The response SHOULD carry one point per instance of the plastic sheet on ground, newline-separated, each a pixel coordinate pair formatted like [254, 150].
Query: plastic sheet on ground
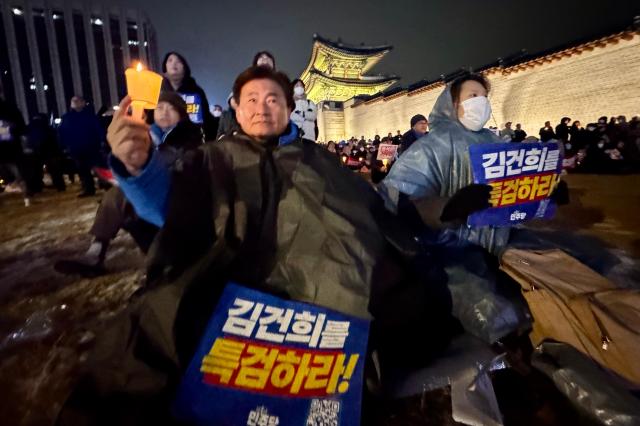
[473, 400]
[465, 367]
[595, 393]
[483, 311]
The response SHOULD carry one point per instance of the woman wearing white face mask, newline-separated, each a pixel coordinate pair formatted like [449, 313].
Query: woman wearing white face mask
[433, 177]
[304, 116]
[435, 174]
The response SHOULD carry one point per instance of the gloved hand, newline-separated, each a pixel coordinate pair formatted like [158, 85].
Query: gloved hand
[560, 194]
[467, 200]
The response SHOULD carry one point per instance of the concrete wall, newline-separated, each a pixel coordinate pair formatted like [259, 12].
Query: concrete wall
[603, 79]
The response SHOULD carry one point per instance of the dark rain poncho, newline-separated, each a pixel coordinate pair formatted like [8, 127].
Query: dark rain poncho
[288, 220]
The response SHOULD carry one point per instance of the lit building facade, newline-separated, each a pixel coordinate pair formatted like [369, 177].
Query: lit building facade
[51, 50]
[338, 71]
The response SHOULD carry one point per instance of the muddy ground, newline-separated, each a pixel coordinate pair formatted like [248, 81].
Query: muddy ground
[46, 318]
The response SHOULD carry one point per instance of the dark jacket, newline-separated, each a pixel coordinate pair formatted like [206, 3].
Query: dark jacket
[228, 124]
[562, 132]
[286, 219]
[12, 128]
[546, 134]
[519, 135]
[408, 139]
[184, 136]
[82, 135]
[187, 87]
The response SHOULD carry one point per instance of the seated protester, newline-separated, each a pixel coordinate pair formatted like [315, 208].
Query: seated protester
[171, 133]
[546, 133]
[419, 126]
[305, 113]
[177, 78]
[434, 178]
[268, 210]
[519, 135]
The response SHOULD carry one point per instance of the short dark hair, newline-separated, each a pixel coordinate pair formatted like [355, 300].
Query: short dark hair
[297, 80]
[266, 53]
[255, 73]
[457, 85]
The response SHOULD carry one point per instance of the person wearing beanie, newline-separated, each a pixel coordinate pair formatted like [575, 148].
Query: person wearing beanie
[177, 78]
[419, 126]
[172, 133]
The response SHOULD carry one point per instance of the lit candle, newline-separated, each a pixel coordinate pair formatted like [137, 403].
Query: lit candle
[144, 89]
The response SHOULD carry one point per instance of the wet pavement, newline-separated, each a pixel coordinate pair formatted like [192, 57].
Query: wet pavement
[46, 318]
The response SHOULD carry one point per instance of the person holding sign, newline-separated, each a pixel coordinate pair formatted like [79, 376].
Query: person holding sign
[269, 210]
[177, 74]
[436, 172]
[434, 179]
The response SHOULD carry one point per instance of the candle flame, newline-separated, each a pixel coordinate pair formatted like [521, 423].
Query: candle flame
[139, 67]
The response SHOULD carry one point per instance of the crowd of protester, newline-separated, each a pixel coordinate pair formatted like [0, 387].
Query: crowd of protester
[610, 145]
[247, 195]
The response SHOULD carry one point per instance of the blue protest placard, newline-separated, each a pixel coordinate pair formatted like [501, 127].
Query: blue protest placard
[264, 360]
[194, 107]
[523, 177]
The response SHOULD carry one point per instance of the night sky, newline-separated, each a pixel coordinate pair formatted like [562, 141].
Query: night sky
[430, 38]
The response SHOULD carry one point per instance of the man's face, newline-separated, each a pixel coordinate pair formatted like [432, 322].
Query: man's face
[165, 115]
[508, 125]
[175, 67]
[262, 109]
[77, 104]
[421, 126]
[518, 127]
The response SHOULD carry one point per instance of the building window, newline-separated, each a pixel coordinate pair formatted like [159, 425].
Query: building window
[28, 79]
[83, 57]
[118, 57]
[98, 39]
[47, 84]
[63, 54]
[133, 42]
[5, 68]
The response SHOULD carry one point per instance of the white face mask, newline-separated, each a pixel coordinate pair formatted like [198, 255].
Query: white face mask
[476, 113]
[298, 90]
[217, 113]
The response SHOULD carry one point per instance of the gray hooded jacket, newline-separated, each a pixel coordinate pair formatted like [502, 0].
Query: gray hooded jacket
[436, 166]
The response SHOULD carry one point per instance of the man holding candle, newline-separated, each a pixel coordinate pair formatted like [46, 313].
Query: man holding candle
[269, 210]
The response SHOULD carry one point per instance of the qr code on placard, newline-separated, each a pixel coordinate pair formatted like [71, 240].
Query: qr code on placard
[323, 413]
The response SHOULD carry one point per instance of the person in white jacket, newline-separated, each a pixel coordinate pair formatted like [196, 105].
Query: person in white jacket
[305, 114]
